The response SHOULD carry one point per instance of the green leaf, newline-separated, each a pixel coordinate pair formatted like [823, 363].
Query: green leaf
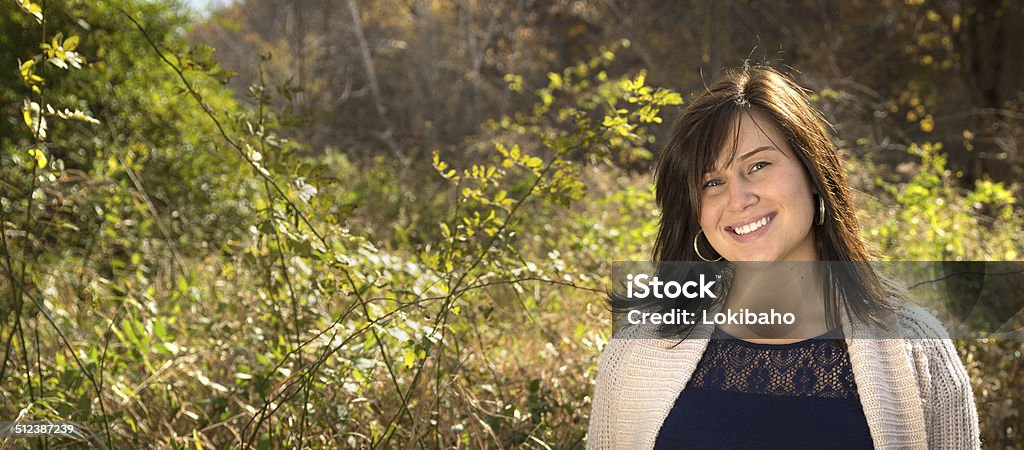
[84, 404]
[346, 209]
[159, 330]
[224, 76]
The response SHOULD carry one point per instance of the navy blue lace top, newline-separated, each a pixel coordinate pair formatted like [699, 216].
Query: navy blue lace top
[746, 395]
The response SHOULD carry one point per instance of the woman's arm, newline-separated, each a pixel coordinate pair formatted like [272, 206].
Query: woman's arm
[602, 413]
[951, 417]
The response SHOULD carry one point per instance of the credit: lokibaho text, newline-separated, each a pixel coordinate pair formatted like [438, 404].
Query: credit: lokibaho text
[742, 316]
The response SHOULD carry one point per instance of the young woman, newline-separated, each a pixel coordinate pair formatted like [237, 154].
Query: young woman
[750, 176]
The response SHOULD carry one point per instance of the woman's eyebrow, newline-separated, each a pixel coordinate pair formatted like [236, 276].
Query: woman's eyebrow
[745, 156]
[756, 151]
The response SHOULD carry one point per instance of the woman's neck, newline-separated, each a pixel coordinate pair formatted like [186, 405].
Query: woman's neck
[790, 287]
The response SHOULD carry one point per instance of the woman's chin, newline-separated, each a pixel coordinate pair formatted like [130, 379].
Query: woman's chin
[754, 257]
[754, 265]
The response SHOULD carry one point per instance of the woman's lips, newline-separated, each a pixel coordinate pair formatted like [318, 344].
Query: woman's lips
[753, 234]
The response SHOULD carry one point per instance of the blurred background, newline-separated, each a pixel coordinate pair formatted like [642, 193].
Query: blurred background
[411, 76]
[377, 224]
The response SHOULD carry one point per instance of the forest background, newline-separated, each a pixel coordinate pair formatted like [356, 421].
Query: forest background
[342, 223]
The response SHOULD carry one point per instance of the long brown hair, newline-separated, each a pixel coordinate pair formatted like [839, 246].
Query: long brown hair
[697, 139]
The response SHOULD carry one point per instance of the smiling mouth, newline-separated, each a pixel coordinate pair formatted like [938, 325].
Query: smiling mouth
[752, 226]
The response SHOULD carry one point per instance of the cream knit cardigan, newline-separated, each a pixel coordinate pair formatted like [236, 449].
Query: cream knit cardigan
[915, 392]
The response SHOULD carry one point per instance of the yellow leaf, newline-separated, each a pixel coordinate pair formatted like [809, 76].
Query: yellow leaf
[26, 68]
[927, 124]
[556, 81]
[39, 156]
[32, 9]
[409, 357]
[70, 43]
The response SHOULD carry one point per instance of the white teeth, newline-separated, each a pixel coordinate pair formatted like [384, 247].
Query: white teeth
[750, 227]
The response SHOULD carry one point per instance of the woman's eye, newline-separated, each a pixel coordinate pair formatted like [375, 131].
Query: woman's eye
[712, 183]
[758, 166]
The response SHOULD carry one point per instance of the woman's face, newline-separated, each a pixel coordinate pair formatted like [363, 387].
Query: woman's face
[757, 204]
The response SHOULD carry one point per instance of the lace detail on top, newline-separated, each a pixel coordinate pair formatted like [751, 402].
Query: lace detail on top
[818, 367]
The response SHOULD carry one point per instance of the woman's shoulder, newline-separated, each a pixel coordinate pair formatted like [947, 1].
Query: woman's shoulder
[926, 339]
[929, 350]
[935, 361]
[917, 323]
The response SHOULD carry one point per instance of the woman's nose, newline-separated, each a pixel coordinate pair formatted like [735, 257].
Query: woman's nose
[741, 194]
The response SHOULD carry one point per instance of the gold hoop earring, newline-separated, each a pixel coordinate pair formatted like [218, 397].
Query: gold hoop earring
[821, 211]
[697, 249]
